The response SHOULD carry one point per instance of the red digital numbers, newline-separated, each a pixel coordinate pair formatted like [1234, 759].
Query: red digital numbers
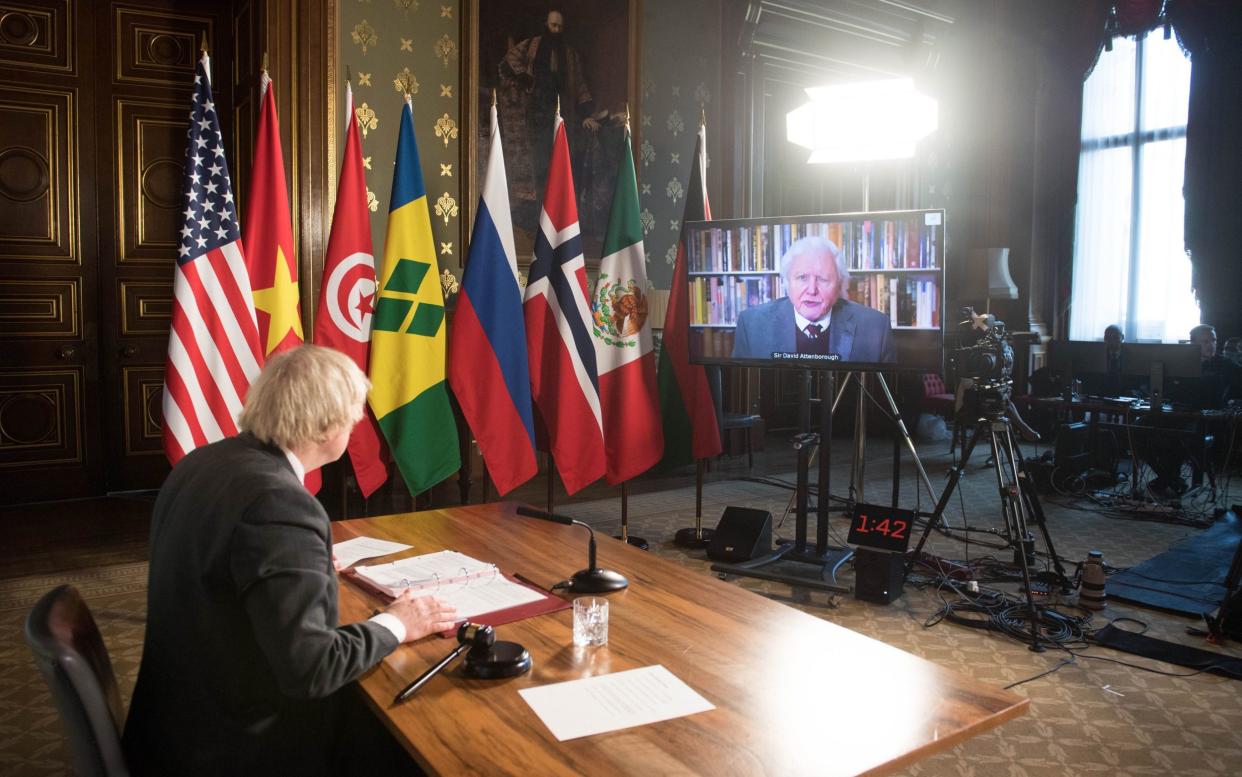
[889, 527]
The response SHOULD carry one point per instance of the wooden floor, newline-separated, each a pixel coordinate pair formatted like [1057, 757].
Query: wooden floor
[64, 536]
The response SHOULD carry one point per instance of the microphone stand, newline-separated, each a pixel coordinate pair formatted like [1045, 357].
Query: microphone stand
[591, 580]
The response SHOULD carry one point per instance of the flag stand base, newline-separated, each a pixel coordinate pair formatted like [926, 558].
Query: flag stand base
[637, 542]
[691, 537]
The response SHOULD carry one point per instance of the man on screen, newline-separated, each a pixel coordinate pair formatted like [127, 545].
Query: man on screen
[815, 318]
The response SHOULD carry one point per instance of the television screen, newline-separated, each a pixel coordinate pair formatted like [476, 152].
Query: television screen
[844, 292]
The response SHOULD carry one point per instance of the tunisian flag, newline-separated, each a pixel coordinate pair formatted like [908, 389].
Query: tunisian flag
[347, 299]
[633, 438]
[563, 378]
[690, 427]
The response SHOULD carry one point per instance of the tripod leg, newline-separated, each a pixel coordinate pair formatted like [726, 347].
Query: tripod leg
[1027, 489]
[1015, 519]
[937, 515]
[905, 435]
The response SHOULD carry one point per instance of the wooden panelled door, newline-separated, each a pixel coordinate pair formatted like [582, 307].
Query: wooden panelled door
[93, 103]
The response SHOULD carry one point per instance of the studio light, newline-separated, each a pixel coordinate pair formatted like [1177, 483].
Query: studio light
[855, 122]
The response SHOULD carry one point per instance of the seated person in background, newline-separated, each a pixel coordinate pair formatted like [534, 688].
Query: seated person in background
[1218, 372]
[815, 317]
[1108, 383]
[245, 667]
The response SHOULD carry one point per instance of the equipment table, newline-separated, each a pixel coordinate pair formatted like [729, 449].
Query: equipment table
[794, 694]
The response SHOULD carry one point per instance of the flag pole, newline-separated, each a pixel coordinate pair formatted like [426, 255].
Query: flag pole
[551, 476]
[697, 536]
[625, 535]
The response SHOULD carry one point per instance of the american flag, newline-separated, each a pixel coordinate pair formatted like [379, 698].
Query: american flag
[213, 346]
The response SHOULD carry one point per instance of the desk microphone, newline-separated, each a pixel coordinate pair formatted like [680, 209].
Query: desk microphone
[591, 580]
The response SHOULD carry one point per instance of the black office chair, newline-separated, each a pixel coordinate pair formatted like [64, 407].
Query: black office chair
[72, 657]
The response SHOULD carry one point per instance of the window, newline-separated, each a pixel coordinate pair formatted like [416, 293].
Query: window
[1130, 263]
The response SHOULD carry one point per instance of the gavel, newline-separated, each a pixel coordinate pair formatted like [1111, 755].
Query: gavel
[470, 636]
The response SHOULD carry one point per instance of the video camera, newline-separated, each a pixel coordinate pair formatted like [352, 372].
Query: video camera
[987, 362]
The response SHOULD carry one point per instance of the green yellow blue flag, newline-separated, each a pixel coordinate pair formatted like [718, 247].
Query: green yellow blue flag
[408, 393]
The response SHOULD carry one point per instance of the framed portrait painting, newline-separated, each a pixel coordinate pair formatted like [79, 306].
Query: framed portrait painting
[534, 55]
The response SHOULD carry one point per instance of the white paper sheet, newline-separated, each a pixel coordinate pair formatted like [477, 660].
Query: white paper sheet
[595, 705]
[352, 551]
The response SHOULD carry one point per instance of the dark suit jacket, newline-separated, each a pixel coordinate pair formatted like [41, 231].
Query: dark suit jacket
[242, 653]
[856, 333]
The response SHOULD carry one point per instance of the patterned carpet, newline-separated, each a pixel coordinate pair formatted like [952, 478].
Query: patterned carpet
[1091, 717]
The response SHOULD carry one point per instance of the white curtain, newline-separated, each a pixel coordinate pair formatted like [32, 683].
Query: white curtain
[1144, 288]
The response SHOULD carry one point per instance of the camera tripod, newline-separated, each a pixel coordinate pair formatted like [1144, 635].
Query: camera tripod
[1018, 501]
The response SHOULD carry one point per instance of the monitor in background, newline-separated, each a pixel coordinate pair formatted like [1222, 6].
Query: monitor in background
[1079, 360]
[1163, 364]
[841, 291]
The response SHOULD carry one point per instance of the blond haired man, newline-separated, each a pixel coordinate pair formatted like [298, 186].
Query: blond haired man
[244, 663]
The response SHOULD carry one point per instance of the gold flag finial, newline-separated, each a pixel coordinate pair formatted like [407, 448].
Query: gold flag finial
[702, 116]
[348, 77]
[493, 98]
[627, 115]
[203, 48]
[265, 61]
[558, 106]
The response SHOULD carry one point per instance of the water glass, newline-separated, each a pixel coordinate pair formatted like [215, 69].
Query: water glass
[590, 621]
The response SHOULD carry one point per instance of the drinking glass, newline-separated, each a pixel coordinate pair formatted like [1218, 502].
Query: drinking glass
[590, 621]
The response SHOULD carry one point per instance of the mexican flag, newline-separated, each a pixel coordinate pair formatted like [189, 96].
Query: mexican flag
[633, 438]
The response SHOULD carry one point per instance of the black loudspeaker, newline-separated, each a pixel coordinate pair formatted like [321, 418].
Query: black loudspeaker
[878, 577]
[742, 534]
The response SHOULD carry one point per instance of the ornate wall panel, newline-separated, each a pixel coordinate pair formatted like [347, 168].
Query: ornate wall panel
[38, 176]
[144, 388]
[146, 308]
[43, 307]
[150, 175]
[40, 420]
[37, 35]
[155, 48]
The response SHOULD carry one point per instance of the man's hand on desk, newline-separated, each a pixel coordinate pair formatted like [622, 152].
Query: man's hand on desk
[422, 615]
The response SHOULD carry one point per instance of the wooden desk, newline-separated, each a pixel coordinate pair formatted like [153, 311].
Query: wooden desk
[794, 694]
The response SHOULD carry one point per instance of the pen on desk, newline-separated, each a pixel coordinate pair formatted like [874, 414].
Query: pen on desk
[419, 681]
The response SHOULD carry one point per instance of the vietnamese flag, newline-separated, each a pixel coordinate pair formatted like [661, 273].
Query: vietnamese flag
[272, 263]
[271, 259]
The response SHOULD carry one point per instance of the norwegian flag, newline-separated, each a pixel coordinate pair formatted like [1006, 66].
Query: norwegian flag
[213, 346]
[559, 343]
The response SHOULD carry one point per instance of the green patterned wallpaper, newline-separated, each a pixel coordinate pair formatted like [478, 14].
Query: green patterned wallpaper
[416, 42]
[681, 78]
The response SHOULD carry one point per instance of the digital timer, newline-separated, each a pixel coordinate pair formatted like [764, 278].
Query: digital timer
[881, 528]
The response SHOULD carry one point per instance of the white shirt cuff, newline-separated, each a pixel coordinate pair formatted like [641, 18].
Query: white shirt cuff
[392, 623]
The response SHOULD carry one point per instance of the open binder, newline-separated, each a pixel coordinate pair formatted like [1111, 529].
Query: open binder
[479, 590]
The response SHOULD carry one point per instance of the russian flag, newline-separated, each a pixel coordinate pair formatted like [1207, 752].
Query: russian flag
[487, 367]
[559, 342]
